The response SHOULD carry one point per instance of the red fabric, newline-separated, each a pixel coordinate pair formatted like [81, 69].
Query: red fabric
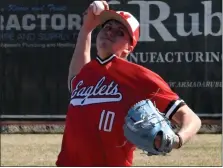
[86, 142]
[156, 89]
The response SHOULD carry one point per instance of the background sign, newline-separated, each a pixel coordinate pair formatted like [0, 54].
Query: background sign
[180, 40]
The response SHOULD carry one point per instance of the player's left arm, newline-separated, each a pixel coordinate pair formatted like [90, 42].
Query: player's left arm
[174, 108]
[188, 121]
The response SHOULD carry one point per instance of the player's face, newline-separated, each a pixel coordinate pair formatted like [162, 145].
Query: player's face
[113, 39]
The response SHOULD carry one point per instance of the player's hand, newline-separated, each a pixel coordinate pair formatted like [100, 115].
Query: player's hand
[91, 21]
[158, 142]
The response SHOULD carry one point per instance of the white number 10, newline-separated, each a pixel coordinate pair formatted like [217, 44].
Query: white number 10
[106, 120]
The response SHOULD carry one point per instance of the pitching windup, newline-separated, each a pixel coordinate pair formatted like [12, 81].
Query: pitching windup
[101, 95]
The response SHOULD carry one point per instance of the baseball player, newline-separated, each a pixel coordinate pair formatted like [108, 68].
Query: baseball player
[103, 90]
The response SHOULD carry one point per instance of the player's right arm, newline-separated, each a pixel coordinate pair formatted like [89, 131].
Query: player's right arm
[81, 55]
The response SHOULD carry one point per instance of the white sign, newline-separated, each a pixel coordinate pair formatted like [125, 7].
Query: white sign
[165, 12]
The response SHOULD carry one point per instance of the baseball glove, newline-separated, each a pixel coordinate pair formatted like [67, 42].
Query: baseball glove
[143, 123]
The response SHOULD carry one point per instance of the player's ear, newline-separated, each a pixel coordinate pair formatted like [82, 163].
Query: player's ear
[126, 52]
[130, 48]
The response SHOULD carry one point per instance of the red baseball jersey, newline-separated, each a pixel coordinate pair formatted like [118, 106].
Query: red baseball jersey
[101, 95]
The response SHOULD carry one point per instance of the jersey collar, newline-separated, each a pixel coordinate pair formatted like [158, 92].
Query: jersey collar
[106, 60]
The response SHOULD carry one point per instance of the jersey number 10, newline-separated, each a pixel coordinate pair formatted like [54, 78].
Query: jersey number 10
[106, 120]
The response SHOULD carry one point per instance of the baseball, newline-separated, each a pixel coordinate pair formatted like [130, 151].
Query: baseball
[98, 7]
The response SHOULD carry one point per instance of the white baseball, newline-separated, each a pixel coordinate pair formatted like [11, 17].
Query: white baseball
[98, 7]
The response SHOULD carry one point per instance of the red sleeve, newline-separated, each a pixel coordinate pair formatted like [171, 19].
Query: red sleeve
[88, 67]
[159, 92]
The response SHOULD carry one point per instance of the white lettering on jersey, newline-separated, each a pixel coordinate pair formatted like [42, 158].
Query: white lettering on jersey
[100, 93]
